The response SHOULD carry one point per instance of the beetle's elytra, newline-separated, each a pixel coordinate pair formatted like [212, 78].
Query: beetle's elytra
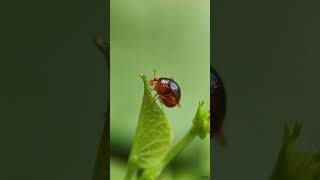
[167, 89]
[218, 106]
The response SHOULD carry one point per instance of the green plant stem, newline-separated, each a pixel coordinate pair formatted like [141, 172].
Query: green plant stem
[179, 147]
[101, 167]
[131, 168]
[154, 172]
[102, 164]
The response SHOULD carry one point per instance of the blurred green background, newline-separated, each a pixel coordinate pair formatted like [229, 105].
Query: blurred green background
[174, 38]
[268, 54]
[53, 88]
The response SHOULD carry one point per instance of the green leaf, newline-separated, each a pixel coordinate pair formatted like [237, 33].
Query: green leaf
[293, 164]
[153, 137]
[200, 127]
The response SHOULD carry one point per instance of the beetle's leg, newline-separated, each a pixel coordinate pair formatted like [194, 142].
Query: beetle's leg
[161, 105]
[155, 97]
[152, 88]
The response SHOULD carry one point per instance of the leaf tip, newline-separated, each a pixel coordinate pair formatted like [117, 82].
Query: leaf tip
[296, 129]
[142, 75]
[144, 78]
[201, 103]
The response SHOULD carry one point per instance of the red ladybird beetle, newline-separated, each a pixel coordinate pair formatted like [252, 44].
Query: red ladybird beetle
[168, 91]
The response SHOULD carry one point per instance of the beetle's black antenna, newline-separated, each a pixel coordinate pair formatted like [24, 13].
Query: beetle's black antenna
[154, 72]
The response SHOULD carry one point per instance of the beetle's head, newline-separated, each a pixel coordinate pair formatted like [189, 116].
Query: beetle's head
[153, 81]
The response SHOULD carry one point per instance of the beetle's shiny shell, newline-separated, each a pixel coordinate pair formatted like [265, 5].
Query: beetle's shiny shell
[217, 101]
[169, 91]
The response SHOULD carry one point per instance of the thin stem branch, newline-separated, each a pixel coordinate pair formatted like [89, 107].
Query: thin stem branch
[102, 165]
[179, 147]
[131, 168]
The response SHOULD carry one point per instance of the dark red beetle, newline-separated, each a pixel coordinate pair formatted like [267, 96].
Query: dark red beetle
[167, 90]
[218, 106]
